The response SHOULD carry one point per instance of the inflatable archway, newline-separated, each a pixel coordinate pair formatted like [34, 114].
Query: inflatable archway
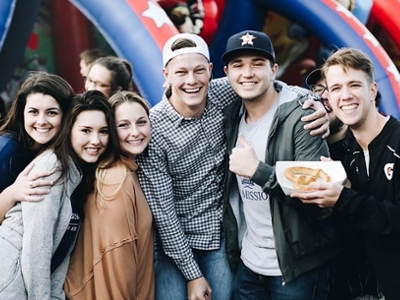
[346, 30]
[137, 30]
[6, 12]
[142, 28]
[319, 17]
[383, 12]
[17, 18]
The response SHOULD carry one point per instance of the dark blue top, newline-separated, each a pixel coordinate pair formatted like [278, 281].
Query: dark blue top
[69, 237]
[13, 159]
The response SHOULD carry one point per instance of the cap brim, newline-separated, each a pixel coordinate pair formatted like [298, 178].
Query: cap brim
[229, 55]
[313, 77]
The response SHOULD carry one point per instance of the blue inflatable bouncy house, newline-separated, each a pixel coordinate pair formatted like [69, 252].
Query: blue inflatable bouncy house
[17, 18]
[138, 29]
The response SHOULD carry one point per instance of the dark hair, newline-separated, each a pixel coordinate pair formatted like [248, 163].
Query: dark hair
[125, 96]
[378, 99]
[182, 43]
[36, 83]
[121, 72]
[3, 111]
[88, 101]
[90, 55]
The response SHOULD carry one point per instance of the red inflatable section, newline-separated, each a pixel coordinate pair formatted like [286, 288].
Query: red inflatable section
[210, 20]
[70, 31]
[160, 35]
[385, 13]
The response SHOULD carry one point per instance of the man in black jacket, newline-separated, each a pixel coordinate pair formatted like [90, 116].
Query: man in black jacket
[354, 275]
[373, 202]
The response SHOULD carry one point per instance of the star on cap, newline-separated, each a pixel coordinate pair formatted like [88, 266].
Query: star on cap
[247, 39]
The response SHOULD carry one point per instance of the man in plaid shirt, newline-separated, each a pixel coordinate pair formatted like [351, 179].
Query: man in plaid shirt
[183, 172]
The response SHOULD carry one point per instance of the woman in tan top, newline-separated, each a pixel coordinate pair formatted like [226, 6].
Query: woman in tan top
[113, 257]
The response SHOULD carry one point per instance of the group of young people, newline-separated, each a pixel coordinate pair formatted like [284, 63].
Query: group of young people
[77, 221]
[80, 194]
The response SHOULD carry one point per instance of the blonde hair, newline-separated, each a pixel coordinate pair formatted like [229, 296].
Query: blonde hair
[350, 58]
[101, 173]
[116, 100]
[127, 96]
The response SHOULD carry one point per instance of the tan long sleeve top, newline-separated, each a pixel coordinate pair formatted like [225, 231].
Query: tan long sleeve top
[113, 257]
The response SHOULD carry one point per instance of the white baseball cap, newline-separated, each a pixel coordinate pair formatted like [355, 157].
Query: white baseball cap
[201, 47]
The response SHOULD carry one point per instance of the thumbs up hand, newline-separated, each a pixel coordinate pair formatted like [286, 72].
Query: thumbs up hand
[243, 161]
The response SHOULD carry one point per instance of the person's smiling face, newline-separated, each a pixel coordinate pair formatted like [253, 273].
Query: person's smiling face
[99, 78]
[189, 75]
[89, 135]
[351, 96]
[133, 127]
[251, 75]
[42, 118]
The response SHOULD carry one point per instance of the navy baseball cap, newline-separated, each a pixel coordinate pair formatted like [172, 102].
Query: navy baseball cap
[249, 40]
[313, 77]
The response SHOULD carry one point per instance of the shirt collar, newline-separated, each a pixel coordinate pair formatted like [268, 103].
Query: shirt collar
[176, 117]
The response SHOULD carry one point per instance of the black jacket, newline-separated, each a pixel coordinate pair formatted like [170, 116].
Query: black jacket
[373, 204]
